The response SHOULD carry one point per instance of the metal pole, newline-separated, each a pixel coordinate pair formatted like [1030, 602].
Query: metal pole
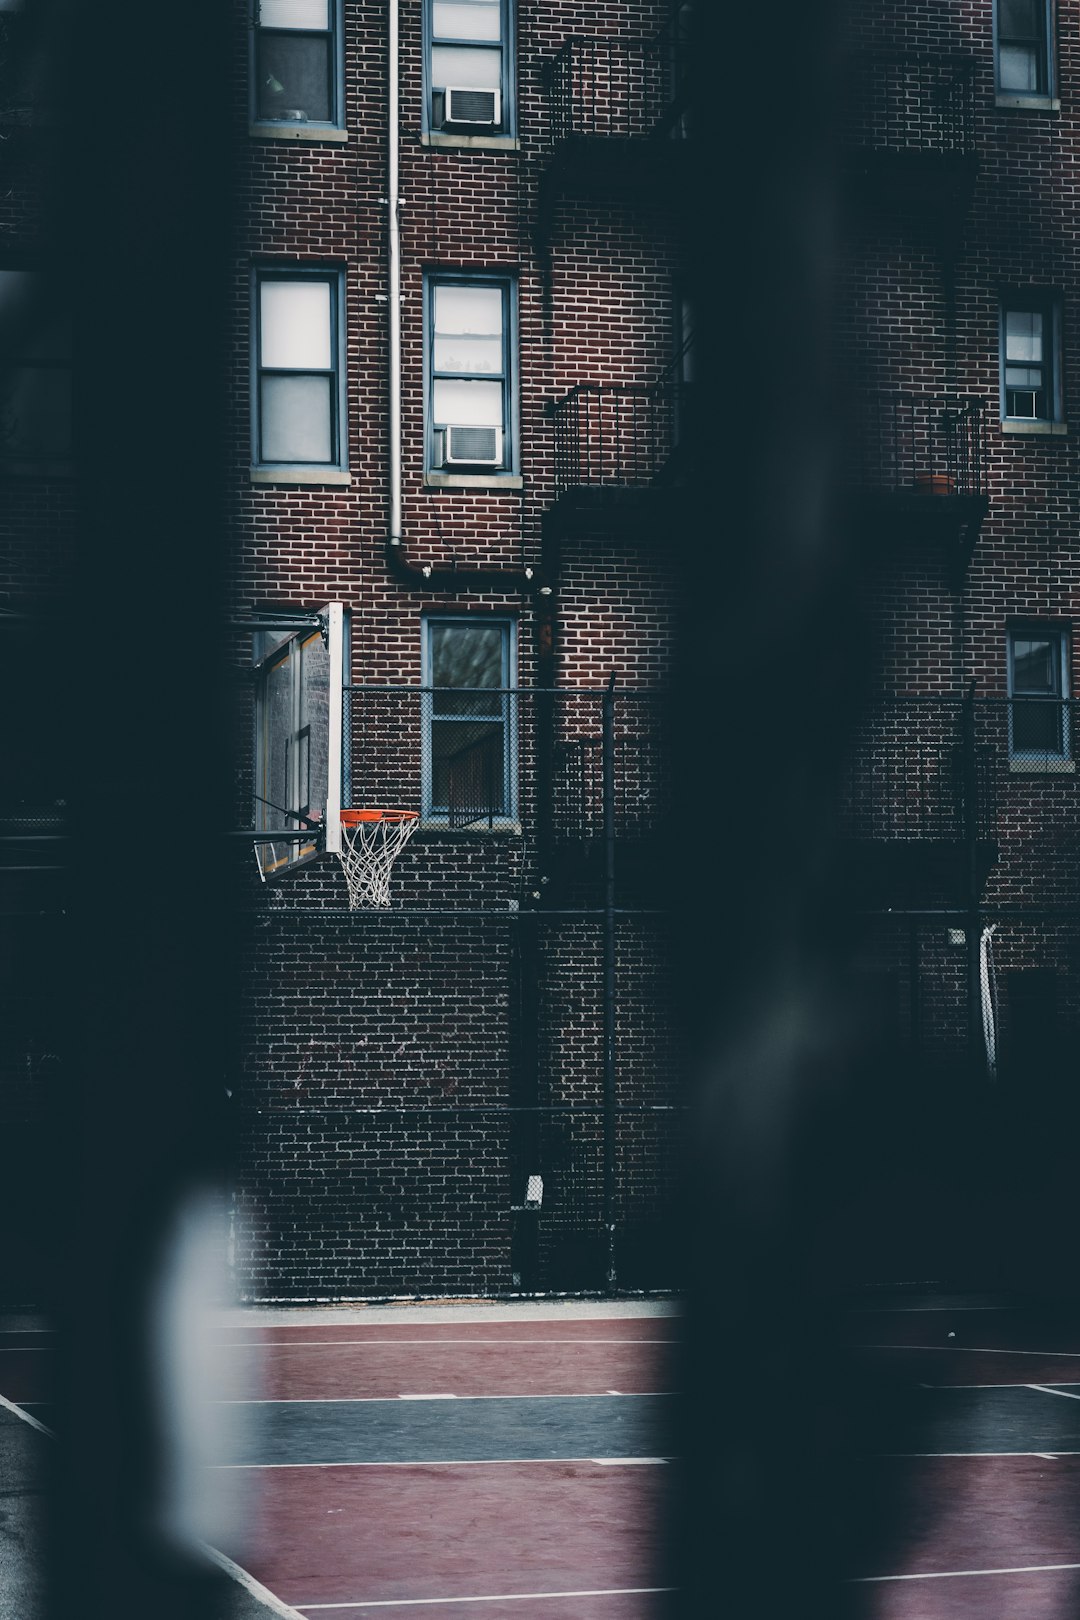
[969, 773]
[608, 779]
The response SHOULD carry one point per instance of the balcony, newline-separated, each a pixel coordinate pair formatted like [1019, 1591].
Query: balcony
[919, 469]
[617, 119]
[908, 131]
[621, 451]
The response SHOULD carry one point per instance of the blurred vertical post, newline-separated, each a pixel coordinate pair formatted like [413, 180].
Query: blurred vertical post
[139, 190]
[767, 682]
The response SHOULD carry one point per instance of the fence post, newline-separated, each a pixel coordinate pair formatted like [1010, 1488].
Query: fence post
[608, 785]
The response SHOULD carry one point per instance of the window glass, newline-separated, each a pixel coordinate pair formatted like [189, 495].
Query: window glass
[1019, 68]
[458, 402]
[1023, 334]
[1034, 666]
[294, 14]
[296, 326]
[468, 309]
[297, 419]
[1020, 18]
[293, 77]
[468, 354]
[1036, 670]
[458, 65]
[466, 655]
[457, 21]
[470, 732]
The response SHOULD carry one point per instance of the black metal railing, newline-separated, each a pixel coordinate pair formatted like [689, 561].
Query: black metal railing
[616, 436]
[476, 758]
[944, 769]
[907, 780]
[610, 88]
[911, 102]
[920, 444]
[640, 786]
[476, 792]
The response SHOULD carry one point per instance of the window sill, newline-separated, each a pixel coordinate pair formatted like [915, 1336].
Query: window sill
[299, 475]
[1042, 767]
[501, 829]
[308, 133]
[1037, 429]
[1005, 98]
[496, 481]
[471, 143]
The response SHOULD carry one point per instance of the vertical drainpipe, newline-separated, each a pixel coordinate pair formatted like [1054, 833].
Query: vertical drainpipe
[393, 216]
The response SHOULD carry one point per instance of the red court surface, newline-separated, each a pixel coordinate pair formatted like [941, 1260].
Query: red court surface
[508, 1539]
[345, 1535]
[480, 1365]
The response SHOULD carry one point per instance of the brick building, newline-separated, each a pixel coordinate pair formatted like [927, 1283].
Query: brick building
[466, 509]
[519, 318]
[956, 358]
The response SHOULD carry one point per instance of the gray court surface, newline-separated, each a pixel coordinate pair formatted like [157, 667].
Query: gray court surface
[458, 1430]
[24, 1466]
[985, 1421]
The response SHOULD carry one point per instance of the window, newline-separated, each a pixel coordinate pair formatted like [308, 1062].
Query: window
[1023, 47]
[470, 721]
[468, 86]
[296, 71]
[298, 395]
[35, 371]
[1038, 688]
[1030, 358]
[470, 406]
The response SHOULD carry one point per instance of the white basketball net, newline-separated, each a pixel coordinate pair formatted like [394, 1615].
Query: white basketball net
[368, 852]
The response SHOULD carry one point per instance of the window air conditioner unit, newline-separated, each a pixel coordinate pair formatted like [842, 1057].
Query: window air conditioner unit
[473, 446]
[471, 106]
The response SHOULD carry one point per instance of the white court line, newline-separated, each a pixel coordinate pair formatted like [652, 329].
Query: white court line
[501, 1597]
[250, 1584]
[970, 1455]
[9, 1406]
[955, 1574]
[926, 1309]
[388, 1344]
[493, 1462]
[375, 1400]
[627, 1462]
[233, 1570]
[1014, 1385]
[978, 1350]
[1044, 1389]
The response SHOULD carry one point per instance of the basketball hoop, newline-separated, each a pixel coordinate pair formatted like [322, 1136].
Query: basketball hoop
[371, 841]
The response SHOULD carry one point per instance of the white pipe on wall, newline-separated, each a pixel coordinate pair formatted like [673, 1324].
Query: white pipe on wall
[394, 291]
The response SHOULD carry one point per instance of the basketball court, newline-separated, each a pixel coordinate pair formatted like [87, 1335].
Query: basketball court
[511, 1461]
[466, 1460]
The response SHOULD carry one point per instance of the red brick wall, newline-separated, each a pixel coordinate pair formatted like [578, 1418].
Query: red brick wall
[407, 1014]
